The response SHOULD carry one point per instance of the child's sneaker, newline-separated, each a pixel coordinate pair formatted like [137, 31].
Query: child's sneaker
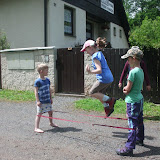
[111, 103]
[108, 111]
[125, 151]
[140, 143]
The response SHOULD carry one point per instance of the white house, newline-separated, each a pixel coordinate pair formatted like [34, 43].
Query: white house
[63, 23]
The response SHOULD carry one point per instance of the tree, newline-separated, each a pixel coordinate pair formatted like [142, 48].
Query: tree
[3, 41]
[139, 9]
[144, 22]
[147, 35]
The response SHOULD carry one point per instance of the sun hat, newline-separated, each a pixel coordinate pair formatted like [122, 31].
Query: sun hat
[88, 43]
[133, 52]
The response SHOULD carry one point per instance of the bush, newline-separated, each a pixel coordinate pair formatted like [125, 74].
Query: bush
[147, 35]
[3, 41]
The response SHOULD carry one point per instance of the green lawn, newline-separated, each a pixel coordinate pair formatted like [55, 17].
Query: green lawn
[11, 95]
[151, 111]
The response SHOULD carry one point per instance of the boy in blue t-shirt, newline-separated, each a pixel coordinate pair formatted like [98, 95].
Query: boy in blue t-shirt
[134, 101]
[43, 96]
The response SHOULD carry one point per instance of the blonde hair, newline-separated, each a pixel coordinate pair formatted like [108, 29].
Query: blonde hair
[41, 66]
[101, 42]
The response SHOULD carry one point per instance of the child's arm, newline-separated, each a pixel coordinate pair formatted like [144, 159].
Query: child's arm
[51, 95]
[37, 97]
[125, 69]
[98, 69]
[146, 77]
[128, 87]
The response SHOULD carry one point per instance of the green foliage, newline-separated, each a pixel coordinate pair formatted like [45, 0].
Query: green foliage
[143, 17]
[12, 95]
[142, 8]
[151, 111]
[128, 7]
[3, 41]
[147, 35]
[89, 105]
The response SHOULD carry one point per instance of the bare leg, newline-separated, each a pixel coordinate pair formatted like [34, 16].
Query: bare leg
[111, 101]
[37, 121]
[98, 96]
[50, 113]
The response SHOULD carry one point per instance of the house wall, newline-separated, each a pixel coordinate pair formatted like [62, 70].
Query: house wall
[22, 77]
[23, 22]
[116, 41]
[56, 35]
[98, 32]
[20, 73]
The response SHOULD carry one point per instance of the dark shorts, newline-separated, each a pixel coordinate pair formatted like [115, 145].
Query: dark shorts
[99, 87]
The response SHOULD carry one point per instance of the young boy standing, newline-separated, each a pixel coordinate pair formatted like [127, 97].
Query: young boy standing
[134, 102]
[43, 96]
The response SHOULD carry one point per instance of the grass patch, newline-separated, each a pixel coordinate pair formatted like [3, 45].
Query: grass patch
[13, 95]
[151, 111]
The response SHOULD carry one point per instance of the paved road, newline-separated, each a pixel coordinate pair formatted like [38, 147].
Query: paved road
[71, 141]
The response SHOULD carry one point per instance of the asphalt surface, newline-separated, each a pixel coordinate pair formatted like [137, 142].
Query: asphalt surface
[71, 141]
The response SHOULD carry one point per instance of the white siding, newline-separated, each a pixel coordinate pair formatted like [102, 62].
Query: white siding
[56, 35]
[116, 41]
[99, 32]
[23, 22]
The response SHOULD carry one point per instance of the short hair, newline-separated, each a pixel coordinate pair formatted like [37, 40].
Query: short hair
[41, 66]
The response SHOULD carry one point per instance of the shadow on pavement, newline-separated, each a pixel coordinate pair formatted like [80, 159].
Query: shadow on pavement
[153, 118]
[125, 135]
[151, 152]
[64, 129]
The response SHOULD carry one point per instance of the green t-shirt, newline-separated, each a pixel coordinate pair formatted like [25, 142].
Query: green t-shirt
[136, 76]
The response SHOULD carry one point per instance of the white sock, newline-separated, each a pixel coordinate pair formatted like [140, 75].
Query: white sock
[106, 105]
[105, 98]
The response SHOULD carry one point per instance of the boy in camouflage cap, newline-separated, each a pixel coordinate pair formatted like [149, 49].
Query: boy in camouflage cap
[134, 102]
[134, 52]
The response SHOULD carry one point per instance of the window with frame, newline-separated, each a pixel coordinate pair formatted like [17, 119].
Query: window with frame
[68, 20]
[120, 33]
[89, 31]
[114, 31]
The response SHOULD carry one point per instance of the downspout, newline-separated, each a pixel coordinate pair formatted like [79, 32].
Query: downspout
[45, 23]
[0, 73]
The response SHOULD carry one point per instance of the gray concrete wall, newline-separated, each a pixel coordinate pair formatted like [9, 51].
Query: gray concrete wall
[18, 68]
[20, 74]
[89, 79]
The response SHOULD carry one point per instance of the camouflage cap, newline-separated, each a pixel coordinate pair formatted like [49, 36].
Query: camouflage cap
[133, 52]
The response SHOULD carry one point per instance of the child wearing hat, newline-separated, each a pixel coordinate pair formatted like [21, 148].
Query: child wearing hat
[126, 70]
[134, 101]
[103, 74]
